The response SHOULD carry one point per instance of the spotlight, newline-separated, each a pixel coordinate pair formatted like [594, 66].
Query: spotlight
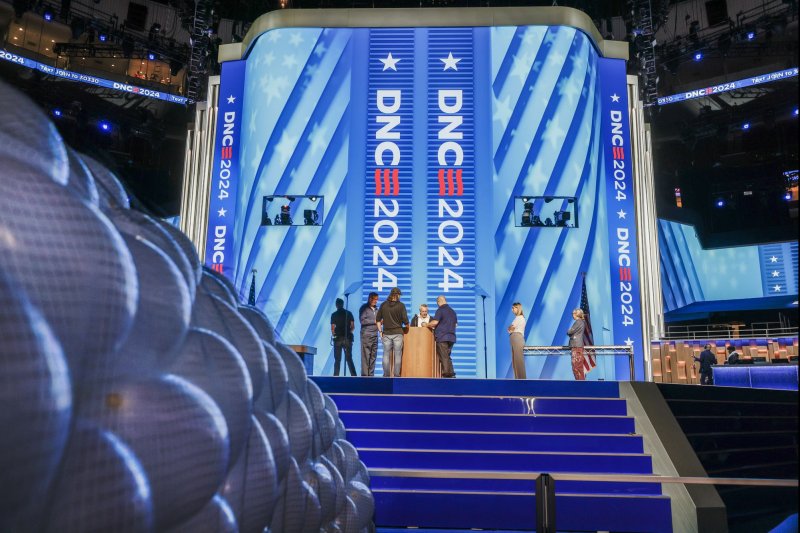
[698, 56]
[48, 16]
[746, 126]
[103, 37]
[751, 35]
[57, 112]
[312, 198]
[720, 203]
[787, 196]
[151, 56]
[104, 126]
[794, 112]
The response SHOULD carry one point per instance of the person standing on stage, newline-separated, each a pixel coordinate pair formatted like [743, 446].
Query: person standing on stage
[575, 334]
[422, 319]
[367, 316]
[516, 332]
[342, 326]
[392, 322]
[706, 360]
[444, 331]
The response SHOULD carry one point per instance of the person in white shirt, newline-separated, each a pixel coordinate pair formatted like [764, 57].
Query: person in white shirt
[516, 333]
[421, 320]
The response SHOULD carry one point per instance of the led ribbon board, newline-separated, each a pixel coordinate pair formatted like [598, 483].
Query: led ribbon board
[729, 86]
[418, 140]
[91, 80]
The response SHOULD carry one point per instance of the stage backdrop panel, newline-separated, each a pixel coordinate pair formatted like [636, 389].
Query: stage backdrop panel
[419, 143]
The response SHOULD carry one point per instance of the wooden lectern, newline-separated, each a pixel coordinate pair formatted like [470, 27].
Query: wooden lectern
[419, 355]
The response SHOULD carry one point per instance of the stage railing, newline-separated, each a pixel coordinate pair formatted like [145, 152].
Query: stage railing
[597, 351]
[762, 330]
[545, 484]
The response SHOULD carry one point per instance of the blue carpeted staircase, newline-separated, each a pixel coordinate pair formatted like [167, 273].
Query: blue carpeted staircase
[499, 425]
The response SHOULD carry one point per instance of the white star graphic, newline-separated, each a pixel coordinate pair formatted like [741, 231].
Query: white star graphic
[628, 342]
[290, 61]
[569, 90]
[777, 288]
[615, 98]
[450, 62]
[621, 213]
[530, 37]
[502, 110]
[390, 62]
[549, 37]
[296, 39]
[320, 50]
[536, 175]
[773, 259]
[555, 58]
[521, 67]
[231, 99]
[221, 212]
[553, 133]
[775, 273]
[317, 138]
[285, 147]
[268, 58]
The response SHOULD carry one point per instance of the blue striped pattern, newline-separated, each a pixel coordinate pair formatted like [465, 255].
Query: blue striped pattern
[460, 43]
[778, 268]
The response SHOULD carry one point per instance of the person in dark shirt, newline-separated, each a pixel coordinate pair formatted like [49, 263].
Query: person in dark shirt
[342, 326]
[369, 334]
[444, 331]
[706, 360]
[733, 356]
[392, 320]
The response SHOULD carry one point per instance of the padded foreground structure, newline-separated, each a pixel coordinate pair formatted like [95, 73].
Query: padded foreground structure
[500, 425]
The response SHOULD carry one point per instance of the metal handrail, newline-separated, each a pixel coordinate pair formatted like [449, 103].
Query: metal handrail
[545, 484]
[596, 350]
[726, 331]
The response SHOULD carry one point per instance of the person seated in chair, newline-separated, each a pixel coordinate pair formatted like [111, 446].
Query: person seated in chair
[733, 356]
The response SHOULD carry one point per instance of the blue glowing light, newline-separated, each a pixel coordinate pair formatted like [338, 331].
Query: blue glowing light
[57, 112]
[787, 196]
[794, 112]
[751, 35]
[151, 56]
[104, 126]
[720, 203]
[746, 126]
[698, 56]
[48, 16]
[103, 37]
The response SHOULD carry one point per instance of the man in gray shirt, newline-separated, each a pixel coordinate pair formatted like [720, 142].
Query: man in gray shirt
[368, 317]
[392, 320]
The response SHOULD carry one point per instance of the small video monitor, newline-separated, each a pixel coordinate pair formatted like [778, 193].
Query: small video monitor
[546, 211]
[293, 210]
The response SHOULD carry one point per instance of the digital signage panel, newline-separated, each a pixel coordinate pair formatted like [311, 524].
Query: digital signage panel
[421, 140]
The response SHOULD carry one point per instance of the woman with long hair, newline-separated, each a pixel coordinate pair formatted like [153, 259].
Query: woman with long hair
[516, 332]
[575, 333]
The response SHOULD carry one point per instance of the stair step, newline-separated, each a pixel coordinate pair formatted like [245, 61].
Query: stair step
[488, 510]
[507, 461]
[473, 387]
[489, 422]
[482, 404]
[480, 440]
[512, 485]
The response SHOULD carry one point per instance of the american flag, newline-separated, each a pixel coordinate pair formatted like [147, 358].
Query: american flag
[588, 339]
[251, 300]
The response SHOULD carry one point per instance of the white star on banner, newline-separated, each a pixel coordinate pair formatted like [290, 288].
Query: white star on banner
[317, 138]
[775, 273]
[450, 62]
[502, 111]
[320, 50]
[268, 58]
[285, 147]
[777, 288]
[290, 61]
[529, 39]
[628, 342]
[221, 212]
[569, 90]
[615, 98]
[521, 67]
[231, 99]
[621, 213]
[773, 259]
[556, 58]
[390, 62]
[296, 39]
[553, 133]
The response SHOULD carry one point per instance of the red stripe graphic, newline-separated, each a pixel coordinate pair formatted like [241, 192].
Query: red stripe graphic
[441, 182]
[227, 152]
[396, 181]
[386, 185]
[624, 274]
[217, 268]
[618, 152]
[460, 183]
[378, 190]
[450, 186]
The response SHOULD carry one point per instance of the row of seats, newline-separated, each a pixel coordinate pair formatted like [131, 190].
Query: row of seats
[673, 362]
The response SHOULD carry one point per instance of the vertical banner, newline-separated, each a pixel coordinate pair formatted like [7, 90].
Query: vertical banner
[621, 214]
[388, 195]
[450, 221]
[225, 170]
